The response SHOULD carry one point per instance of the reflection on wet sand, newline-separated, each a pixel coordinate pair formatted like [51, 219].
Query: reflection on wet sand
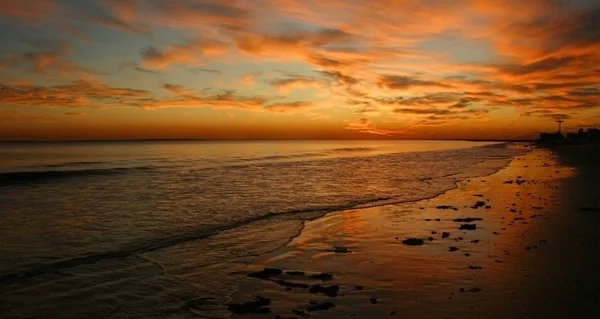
[507, 263]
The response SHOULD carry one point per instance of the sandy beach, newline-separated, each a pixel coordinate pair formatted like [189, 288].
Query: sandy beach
[521, 243]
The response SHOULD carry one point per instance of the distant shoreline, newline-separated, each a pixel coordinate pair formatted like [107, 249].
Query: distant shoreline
[252, 140]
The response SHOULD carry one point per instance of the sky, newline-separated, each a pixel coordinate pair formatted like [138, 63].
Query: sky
[286, 69]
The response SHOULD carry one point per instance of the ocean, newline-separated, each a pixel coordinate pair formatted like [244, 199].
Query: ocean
[139, 229]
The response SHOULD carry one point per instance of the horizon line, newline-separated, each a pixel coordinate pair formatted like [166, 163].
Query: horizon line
[254, 139]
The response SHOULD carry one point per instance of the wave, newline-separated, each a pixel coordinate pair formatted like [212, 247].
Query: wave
[70, 164]
[351, 149]
[26, 177]
[159, 243]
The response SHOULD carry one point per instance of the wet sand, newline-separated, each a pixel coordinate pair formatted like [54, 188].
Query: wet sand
[521, 243]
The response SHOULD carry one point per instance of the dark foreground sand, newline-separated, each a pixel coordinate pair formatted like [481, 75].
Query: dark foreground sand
[535, 253]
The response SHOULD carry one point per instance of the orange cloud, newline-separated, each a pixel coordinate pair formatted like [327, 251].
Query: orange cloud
[188, 53]
[30, 12]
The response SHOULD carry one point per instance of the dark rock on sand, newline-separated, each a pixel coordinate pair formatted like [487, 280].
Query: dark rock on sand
[468, 227]
[359, 287]
[447, 207]
[475, 267]
[290, 284]
[475, 289]
[324, 276]
[475, 241]
[295, 273]
[467, 220]
[373, 301]
[341, 250]
[589, 209]
[256, 306]
[437, 219]
[266, 273]
[452, 248]
[445, 234]
[478, 204]
[430, 238]
[319, 306]
[413, 242]
[330, 291]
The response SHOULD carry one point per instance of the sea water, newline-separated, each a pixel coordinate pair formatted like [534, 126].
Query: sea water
[150, 228]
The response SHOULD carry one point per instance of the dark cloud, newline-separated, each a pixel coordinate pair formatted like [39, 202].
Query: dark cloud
[398, 82]
[585, 92]
[290, 107]
[340, 78]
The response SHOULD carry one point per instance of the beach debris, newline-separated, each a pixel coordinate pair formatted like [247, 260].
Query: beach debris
[266, 273]
[475, 267]
[341, 250]
[474, 289]
[256, 306]
[467, 254]
[452, 248]
[290, 284]
[324, 276]
[330, 291]
[508, 182]
[319, 306]
[467, 227]
[488, 206]
[430, 238]
[467, 219]
[478, 195]
[393, 313]
[445, 234]
[437, 219]
[359, 287]
[433, 232]
[447, 207]
[428, 219]
[478, 204]
[589, 209]
[373, 301]
[413, 242]
[475, 241]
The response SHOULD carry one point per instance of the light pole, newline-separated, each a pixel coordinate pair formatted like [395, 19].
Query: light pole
[559, 126]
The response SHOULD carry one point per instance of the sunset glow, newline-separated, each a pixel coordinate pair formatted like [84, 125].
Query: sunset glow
[283, 69]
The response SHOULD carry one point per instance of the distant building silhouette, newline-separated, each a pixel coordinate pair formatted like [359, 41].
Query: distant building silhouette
[590, 136]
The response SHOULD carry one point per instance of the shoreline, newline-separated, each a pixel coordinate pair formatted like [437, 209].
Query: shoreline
[13, 277]
[351, 255]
